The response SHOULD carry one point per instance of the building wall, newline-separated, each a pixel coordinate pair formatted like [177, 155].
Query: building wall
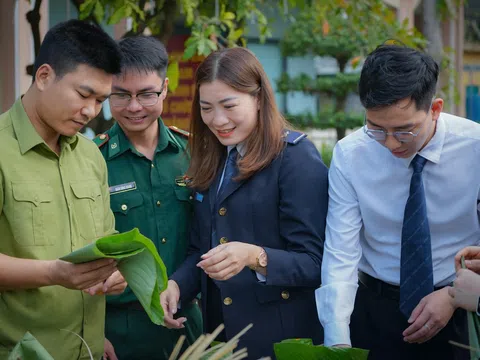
[7, 60]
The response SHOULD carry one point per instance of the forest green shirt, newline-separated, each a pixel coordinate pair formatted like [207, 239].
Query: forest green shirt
[150, 195]
[50, 205]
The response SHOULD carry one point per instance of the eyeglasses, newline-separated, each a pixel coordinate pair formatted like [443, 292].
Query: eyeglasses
[148, 98]
[401, 136]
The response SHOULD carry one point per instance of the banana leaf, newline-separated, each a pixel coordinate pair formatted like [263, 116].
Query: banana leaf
[138, 261]
[303, 349]
[473, 329]
[29, 349]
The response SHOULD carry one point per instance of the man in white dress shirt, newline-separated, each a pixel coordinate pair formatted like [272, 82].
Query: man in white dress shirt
[403, 201]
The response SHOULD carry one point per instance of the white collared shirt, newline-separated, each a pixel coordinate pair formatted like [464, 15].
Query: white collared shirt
[368, 190]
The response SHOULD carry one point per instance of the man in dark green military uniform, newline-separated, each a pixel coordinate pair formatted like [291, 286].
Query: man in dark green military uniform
[146, 161]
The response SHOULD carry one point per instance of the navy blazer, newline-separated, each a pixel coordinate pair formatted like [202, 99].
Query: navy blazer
[283, 209]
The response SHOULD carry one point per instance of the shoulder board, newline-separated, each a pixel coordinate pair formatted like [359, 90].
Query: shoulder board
[293, 137]
[179, 131]
[101, 139]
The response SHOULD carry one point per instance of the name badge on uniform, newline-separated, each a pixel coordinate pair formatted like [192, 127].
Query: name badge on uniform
[115, 189]
[198, 197]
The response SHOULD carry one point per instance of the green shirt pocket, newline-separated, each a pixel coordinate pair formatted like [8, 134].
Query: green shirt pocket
[33, 211]
[123, 203]
[184, 194]
[88, 206]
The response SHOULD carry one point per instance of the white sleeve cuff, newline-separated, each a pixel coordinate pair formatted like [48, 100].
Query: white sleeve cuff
[337, 333]
[260, 277]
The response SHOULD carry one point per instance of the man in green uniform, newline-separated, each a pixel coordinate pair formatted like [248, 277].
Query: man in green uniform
[146, 161]
[54, 198]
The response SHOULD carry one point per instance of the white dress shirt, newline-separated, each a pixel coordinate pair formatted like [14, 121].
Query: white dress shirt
[368, 190]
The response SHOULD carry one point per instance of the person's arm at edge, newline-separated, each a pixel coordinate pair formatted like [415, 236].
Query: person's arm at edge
[342, 252]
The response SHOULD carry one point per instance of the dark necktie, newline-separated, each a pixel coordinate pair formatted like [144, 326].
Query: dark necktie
[416, 271]
[230, 169]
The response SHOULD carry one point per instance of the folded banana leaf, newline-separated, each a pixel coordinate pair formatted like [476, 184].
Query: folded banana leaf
[473, 329]
[303, 349]
[29, 349]
[138, 261]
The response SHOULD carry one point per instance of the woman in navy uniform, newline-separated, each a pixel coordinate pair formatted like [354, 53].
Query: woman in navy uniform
[260, 202]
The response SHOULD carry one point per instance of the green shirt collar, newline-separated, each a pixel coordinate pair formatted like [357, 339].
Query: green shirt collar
[119, 143]
[27, 135]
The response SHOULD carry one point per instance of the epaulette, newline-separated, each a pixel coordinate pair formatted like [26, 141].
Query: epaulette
[293, 137]
[101, 139]
[179, 131]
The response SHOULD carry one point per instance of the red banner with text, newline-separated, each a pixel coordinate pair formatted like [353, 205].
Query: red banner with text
[177, 105]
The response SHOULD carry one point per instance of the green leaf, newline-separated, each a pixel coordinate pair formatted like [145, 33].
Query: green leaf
[173, 74]
[228, 16]
[190, 51]
[99, 12]
[86, 9]
[235, 35]
[302, 349]
[119, 14]
[212, 46]
[138, 261]
[140, 12]
[201, 46]
[87, 6]
[29, 348]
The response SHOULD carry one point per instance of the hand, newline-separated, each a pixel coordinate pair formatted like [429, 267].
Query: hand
[169, 301]
[472, 258]
[429, 317]
[227, 260]
[114, 285]
[465, 290]
[80, 276]
[109, 351]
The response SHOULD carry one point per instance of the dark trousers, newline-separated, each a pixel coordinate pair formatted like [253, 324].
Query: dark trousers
[377, 325]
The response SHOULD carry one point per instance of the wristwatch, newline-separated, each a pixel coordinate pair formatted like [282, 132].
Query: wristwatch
[262, 261]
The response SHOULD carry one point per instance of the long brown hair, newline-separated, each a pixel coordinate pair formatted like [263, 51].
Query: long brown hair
[241, 70]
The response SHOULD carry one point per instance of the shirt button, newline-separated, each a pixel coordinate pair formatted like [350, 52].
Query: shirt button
[191, 197]
[227, 301]
[159, 203]
[222, 211]
[153, 165]
[223, 240]
[124, 207]
[285, 295]
[164, 240]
